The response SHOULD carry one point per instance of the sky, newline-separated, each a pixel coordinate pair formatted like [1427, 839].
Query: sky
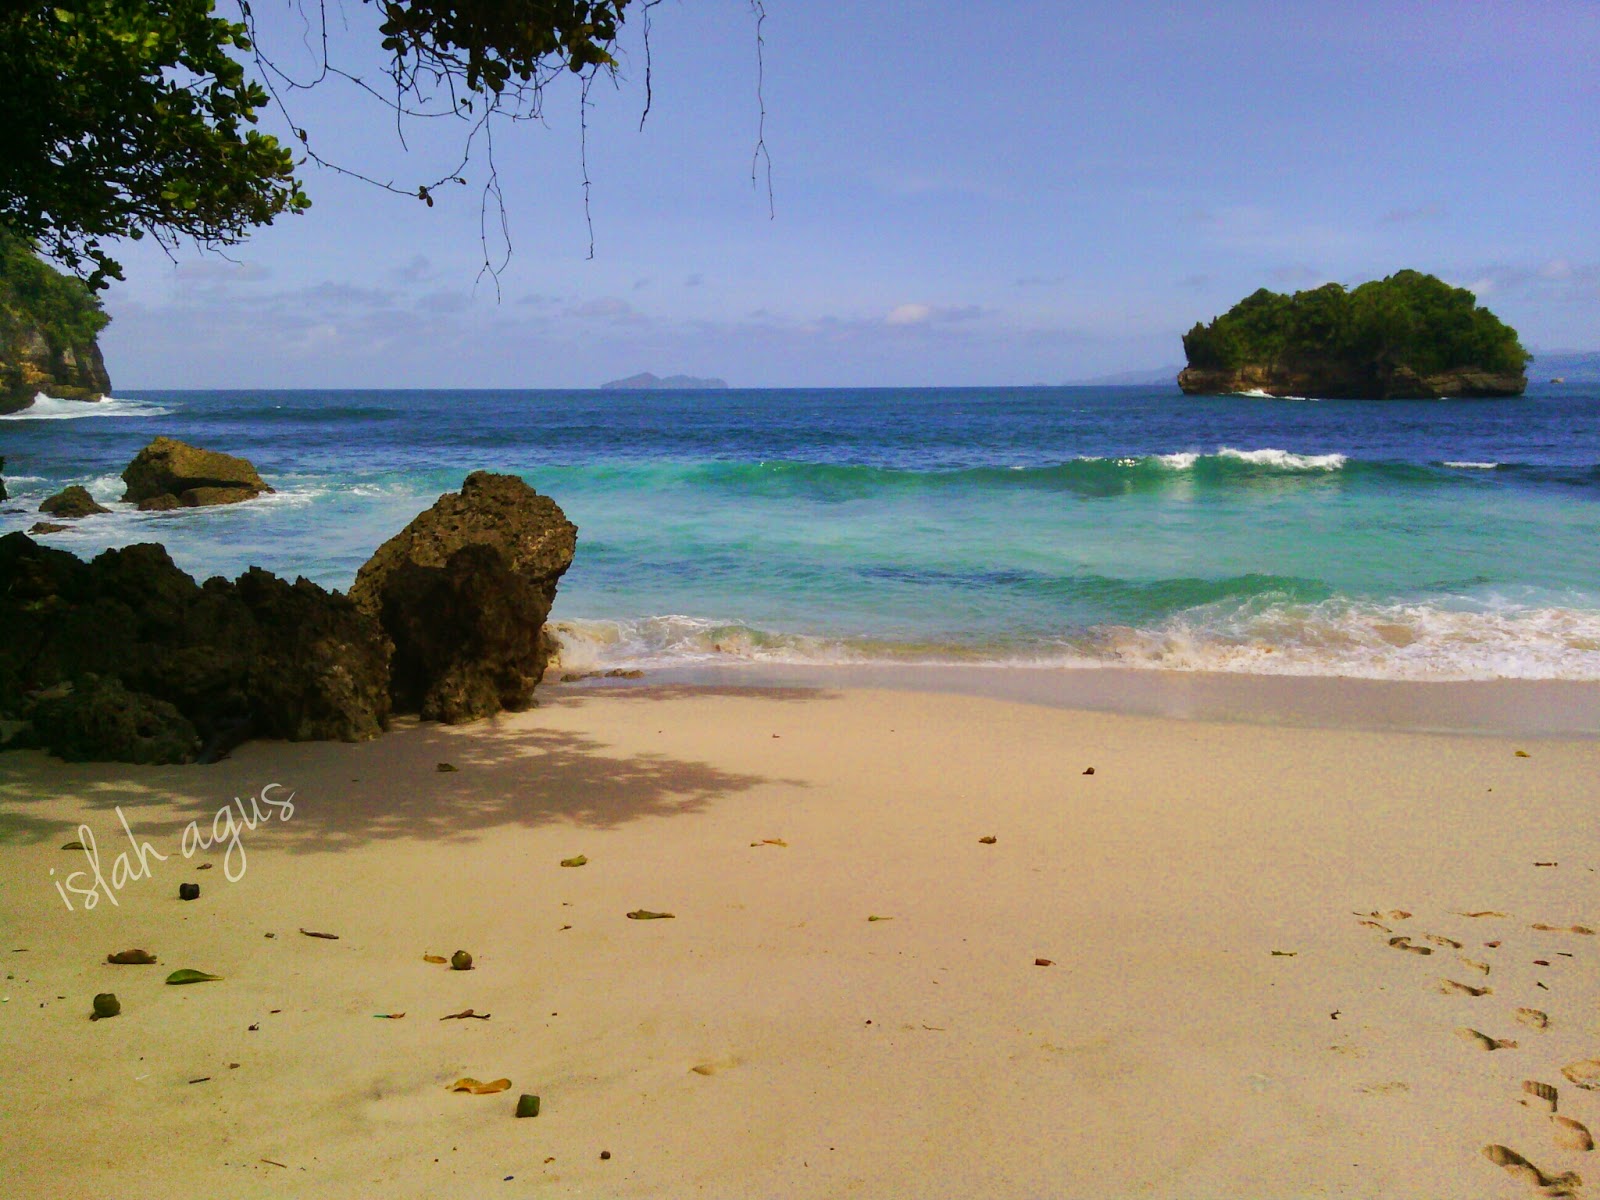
[962, 193]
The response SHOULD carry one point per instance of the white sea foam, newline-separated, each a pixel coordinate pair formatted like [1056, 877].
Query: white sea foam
[1346, 638]
[1258, 394]
[51, 408]
[1180, 461]
[1284, 460]
[1472, 466]
[1370, 640]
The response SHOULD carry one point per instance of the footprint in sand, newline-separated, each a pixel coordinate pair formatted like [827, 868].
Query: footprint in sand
[1585, 1073]
[715, 1066]
[1404, 943]
[1483, 1041]
[1438, 939]
[1532, 1018]
[1451, 988]
[1570, 1134]
[1515, 1164]
[1481, 967]
[1539, 1095]
[1543, 928]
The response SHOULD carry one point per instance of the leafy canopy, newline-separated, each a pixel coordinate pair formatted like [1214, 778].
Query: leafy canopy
[128, 118]
[1406, 320]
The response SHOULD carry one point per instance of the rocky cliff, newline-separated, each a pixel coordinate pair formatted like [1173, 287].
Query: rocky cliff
[48, 324]
[1336, 381]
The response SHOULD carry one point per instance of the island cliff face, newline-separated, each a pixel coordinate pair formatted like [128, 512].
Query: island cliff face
[1337, 381]
[1409, 336]
[48, 324]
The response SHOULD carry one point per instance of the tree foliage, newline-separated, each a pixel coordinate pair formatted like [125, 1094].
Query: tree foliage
[134, 118]
[1407, 320]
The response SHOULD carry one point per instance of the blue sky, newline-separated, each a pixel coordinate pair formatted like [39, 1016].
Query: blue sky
[963, 193]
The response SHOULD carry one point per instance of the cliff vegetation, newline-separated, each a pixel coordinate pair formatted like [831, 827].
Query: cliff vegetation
[48, 324]
[1409, 335]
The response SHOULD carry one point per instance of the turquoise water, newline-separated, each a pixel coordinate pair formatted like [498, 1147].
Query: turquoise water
[1116, 526]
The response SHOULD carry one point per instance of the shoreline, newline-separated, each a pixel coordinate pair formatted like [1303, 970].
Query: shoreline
[1544, 708]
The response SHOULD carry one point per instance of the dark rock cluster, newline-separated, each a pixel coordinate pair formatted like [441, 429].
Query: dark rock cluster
[127, 658]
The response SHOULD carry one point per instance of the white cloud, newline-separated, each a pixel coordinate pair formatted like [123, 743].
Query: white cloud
[909, 314]
[924, 314]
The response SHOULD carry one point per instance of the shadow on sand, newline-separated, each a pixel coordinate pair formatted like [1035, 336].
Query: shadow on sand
[508, 771]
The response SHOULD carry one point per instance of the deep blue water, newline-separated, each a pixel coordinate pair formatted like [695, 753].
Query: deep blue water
[1428, 539]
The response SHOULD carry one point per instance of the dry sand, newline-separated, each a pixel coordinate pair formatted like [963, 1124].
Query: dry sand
[1215, 1019]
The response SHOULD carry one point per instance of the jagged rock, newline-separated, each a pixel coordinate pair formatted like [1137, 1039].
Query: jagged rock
[322, 669]
[279, 659]
[161, 503]
[46, 527]
[189, 475]
[464, 591]
[72, 502]
[102, 720]
[3, 496]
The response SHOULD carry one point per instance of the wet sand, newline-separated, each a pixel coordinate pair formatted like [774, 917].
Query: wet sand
[1218, 1014]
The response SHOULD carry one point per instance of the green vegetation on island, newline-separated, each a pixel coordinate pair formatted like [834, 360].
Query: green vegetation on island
[48, 324]
[1409, 335]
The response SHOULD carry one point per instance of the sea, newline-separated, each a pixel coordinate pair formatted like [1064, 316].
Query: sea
[1041, 528]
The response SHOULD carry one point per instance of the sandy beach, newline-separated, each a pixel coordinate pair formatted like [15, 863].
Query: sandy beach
[1170, 977]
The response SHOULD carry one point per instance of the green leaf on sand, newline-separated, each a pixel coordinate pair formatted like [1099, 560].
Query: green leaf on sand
[880, 918]
[644, 914]
[73, 846]
[577, 861]
[188, 975]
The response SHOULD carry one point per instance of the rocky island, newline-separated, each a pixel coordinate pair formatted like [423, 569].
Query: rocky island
[644, 381]
[1409, 336]
[48, 323]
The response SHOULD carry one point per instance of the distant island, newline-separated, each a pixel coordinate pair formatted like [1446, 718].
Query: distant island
[646, 382]
[1409, 336]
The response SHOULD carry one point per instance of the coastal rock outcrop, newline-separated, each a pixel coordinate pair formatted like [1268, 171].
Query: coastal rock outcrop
[100, 720]
[3, 496]
[48, 324]
[171, 474]
[464, 592]
[1336, 381]
[259, 656]
[71, 503]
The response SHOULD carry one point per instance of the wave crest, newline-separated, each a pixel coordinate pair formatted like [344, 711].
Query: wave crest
[52, 408]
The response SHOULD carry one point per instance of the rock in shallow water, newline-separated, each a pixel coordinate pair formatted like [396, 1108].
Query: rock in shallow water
[188, 475]
[71, 503]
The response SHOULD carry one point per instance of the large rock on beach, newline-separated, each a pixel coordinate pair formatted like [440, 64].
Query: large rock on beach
[101, 720]
[321, 668]
[169, 474]
[259, 656]
[71, 503]
[464, 592]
